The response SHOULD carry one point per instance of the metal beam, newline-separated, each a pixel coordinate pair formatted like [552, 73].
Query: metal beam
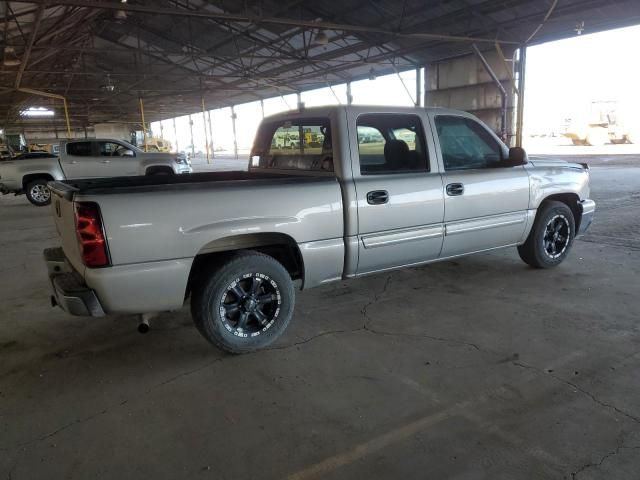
[503, 92]
[27, 53]
[256, 19]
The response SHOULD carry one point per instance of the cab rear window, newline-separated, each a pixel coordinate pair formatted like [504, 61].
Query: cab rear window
[301, 144]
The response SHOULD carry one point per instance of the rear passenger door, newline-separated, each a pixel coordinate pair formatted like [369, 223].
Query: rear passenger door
[79, 160]
[398, 189]
[486, 201]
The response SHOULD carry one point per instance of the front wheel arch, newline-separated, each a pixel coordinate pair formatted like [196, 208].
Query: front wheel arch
[571, 200]
[159, 170]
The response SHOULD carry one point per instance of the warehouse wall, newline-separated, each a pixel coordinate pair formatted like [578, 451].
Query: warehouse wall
[464, 84]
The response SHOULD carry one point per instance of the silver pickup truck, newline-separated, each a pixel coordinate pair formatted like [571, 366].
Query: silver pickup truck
[331, 193]
[86, 158]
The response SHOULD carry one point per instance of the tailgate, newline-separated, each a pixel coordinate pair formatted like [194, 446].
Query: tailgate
[64, 218]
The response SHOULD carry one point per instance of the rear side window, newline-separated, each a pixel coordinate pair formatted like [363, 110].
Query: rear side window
[301, 144]
[465, 144]
[391, 143]
[79, 149]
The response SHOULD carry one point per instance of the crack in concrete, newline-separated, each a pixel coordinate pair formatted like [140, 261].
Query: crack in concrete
[88, 418]
[581, 390]
[599, 463]
[365, 327]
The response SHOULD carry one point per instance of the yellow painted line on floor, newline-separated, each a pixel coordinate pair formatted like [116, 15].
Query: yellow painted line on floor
[406, 431]
[378, 443]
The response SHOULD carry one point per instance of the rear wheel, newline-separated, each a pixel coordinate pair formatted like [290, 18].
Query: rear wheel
[243, 304]
[38, 192]
[551, 237]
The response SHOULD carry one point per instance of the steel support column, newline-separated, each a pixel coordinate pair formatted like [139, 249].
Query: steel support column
[235, 136]
[522, 66]
[418, 87]
[144, 127]
[175, 134]
[424, 83]
[210, 133]
[193, 147]
[206, 134]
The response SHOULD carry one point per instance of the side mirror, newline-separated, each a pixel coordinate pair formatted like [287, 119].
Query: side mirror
[517, 156]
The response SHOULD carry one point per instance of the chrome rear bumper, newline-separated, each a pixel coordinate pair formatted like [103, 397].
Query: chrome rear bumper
[69, 291]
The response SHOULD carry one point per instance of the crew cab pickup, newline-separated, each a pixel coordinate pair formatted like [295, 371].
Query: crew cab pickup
[86, 158]
[331, 193]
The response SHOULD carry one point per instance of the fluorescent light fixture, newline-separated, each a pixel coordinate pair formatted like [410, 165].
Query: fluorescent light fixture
[37, 112]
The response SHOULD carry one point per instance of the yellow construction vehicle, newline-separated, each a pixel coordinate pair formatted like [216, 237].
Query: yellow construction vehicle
[601, 125]
[157, 144]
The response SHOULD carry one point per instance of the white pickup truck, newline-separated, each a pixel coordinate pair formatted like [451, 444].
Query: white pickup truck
[363, 190]
[86, 158]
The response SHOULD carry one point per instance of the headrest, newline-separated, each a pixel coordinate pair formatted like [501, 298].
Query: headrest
[396, 153]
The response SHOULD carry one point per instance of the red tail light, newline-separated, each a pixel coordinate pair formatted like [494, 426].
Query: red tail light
[93, 245]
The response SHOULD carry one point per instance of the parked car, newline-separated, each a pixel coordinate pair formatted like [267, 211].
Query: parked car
[78, 159]
[309, 216]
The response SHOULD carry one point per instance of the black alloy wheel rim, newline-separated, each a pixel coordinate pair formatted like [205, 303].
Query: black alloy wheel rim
[556, 236]
[250, 305]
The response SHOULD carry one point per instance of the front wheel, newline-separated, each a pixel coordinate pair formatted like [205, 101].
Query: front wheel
[244, 304]
[38, 192]
[551, 236]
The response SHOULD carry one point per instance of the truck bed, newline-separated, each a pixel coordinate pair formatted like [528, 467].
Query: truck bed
[194, 181]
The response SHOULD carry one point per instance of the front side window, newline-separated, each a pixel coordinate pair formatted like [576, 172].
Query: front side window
[465, 144]
[301, 144]
[79, 149]
[391, 143]
[112, 149]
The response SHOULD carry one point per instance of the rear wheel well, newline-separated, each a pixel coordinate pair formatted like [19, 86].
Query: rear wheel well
[159, 170]
[284, 250]
[27, 179]
[572, 201]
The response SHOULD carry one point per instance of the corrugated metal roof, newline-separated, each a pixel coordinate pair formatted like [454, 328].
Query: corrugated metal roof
[104, 55]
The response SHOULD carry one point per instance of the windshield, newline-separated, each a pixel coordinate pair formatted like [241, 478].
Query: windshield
[298, 144]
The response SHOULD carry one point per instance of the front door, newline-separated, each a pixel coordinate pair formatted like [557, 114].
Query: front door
[399, 191]
[116, 160]
[485, 203]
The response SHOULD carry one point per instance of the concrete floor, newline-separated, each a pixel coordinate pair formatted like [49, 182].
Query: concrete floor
[474, 368]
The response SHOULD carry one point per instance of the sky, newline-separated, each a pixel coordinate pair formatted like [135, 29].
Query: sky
[563, 78]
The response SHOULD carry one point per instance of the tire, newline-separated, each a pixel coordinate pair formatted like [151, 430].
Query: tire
[38, 192]
[551, 236]
[234, 314]
[160, 171]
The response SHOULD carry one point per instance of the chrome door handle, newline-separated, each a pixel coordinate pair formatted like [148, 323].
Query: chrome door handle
[73, 162]
[377, 197]
[105, 161]
[455, 189]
